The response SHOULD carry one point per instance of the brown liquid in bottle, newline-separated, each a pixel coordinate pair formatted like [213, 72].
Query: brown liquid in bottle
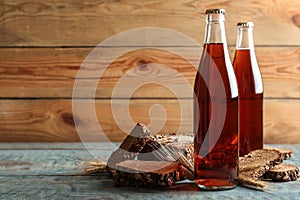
[250, 101]
[216, 158]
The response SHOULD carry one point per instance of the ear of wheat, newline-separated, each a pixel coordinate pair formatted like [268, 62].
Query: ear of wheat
[171, 153]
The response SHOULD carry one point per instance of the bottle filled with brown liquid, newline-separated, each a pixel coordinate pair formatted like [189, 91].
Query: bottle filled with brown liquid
[215, 110]
[250, 87]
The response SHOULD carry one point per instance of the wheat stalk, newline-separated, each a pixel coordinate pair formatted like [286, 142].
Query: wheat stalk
[171, 153]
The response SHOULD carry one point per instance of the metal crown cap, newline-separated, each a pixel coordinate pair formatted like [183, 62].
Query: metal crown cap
[245, 24]
[215, 11]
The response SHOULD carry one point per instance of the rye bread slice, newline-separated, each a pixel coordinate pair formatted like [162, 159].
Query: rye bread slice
[283, 173]
[258, 162]
[171, 147]
[130, 147]
[172, 141]
[147, 173]
[286, 153]
[255, 164]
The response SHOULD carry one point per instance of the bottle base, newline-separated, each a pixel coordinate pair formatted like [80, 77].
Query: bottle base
[215, 184]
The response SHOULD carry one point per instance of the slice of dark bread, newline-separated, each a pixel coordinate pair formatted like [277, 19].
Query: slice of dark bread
[255, 164]
[171, 147]
[130, 147]
[287, 153]
[147, 173]
[283, 173]
[258, 162]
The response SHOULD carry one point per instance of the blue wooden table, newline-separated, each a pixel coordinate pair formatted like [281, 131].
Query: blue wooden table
[54, 171]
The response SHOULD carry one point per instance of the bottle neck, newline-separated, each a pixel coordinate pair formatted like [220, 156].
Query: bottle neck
[245, 38]
[215, 34]
[215, 29]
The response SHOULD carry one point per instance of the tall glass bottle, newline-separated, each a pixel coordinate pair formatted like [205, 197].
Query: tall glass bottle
[250, 87]
[215, 110]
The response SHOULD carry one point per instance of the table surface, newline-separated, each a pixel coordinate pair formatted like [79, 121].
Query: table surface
[54, 171]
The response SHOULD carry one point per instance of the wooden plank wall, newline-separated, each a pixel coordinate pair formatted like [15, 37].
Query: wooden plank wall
[43, 43]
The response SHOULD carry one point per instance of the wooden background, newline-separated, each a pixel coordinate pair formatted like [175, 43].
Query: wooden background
[43, 43]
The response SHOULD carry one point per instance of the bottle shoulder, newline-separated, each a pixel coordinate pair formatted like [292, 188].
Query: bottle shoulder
[215, 64]
[247, 72]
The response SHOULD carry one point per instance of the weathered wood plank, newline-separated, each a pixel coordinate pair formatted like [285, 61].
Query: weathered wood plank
[69, 23]
[282, 121]
[51, 176]
[98, 146]
[49, 162]
[53, 120]
[58, 146]
[93, 187]
[53, 159]
[50, 72]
